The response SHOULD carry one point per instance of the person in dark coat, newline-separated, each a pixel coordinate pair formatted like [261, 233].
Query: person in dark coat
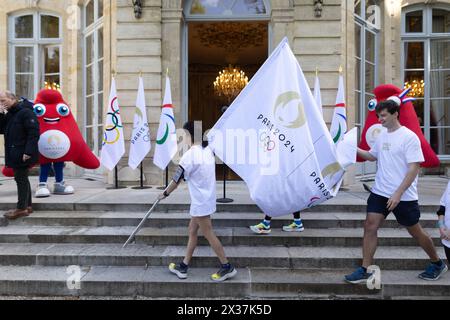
[20, 127]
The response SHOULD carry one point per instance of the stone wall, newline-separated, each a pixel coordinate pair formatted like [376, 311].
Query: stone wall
[320, 43]
[136, 49]
[70, 57]
[153, 43]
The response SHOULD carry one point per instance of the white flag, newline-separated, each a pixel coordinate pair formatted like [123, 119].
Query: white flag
[140, 138]
[166, 139]
[339, 122]
[346, 148]
[317, 96]
[284, 151]
[113, 147]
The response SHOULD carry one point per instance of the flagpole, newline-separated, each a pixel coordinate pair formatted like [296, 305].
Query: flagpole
[141, 165]
[167, 179]
[167, 91]
[224, 199]
[167, 176]
[116, 173]
[116, 180]
[167, 168]
[141, 178]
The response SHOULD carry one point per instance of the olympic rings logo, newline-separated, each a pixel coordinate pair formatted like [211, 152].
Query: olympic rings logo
[114, 118]
[105, 138]
[146, 138]
[112, 127]
[268, 144]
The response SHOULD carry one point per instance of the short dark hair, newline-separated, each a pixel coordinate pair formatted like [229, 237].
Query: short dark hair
[389, 105]
[189, 127]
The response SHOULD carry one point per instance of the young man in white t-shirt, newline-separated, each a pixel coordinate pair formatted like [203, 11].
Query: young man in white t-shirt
[398, 154]
[444, 221]
[198, 167]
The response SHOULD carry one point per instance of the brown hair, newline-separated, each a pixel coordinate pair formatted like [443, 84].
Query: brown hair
[389, 105]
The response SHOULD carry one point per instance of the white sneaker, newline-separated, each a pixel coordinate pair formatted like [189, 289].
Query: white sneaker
[61, 188]
[42, 190]
[293, 227]
[260, 228]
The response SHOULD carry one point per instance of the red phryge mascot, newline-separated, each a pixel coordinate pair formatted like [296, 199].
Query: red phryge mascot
[408, 118]
[60, 140]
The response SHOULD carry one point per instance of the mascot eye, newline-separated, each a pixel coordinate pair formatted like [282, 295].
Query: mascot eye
[372, 104]
[62, 109]
[39, 109]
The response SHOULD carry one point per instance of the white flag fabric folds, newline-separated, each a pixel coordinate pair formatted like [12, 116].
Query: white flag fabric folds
[346, 148]
[113, 146]
[317, 95]
[339, 122]
[274, 137]
[140, 138]
[166, 139]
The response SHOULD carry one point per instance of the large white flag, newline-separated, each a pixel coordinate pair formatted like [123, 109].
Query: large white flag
[140, 138]
[166, 139]
[339, 122]
[317, 95]
[273, 136]
[113, 147]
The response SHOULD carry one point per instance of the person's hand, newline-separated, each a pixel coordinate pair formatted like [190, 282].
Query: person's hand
[445, 233]
[25, 157]
[393, 201]
[2, 109]
[161, 196]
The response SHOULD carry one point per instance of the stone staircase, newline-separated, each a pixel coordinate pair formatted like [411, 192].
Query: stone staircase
[35, 253]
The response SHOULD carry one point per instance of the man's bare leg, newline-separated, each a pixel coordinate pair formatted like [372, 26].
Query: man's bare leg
[370, 241]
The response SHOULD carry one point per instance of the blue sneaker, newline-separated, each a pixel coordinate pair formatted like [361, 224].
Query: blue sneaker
[359, 276]
[179, 269]
[433, 272]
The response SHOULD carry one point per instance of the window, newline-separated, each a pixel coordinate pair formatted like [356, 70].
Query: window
[226, 9]
[426, 69]
[93, 73]
[35, 53]
[366, 59]
[366, 64]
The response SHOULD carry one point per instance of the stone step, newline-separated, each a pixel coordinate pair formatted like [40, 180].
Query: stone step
[248, 283]
[339, 237]
[329, 283]
[387, 258]
[221, 219]
[126, 206]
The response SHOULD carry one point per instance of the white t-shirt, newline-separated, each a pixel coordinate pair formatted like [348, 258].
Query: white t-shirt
[445, 201]
[200, 173]
[394, 151]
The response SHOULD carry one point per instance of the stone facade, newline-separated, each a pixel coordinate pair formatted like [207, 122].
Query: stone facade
[152, 44]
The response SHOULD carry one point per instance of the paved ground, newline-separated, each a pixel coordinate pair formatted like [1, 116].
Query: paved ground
[87, 191]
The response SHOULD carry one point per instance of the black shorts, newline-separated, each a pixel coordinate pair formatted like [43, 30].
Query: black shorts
[447, 253]
[407, 213]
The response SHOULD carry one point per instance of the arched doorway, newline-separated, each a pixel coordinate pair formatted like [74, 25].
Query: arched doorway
[219, 34]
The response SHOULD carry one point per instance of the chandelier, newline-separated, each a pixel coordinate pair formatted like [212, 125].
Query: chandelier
[230, 82]
[53, 86]
[417, 87]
